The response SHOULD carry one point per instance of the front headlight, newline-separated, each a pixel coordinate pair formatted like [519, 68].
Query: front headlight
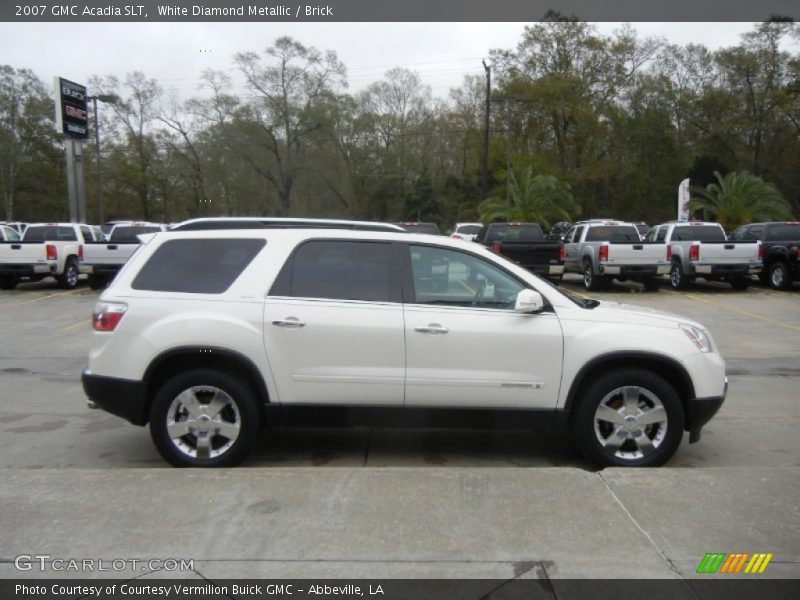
[699, 337]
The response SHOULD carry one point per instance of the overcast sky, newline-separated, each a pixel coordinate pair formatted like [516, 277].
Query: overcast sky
[171, 52]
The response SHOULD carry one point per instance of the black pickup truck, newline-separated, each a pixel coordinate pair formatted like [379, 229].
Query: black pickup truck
[525, 244]
[781, 245]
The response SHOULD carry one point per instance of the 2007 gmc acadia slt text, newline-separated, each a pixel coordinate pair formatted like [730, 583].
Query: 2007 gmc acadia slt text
[210, 335]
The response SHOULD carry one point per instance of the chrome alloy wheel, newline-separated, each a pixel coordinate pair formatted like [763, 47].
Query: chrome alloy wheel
[203, 422]
[630, 422]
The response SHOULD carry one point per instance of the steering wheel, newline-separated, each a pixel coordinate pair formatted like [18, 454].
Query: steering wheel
[481, 287]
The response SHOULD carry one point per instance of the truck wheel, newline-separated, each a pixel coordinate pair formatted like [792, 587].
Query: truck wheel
[740, 283]
[591, 281]
[677, 279]
[779, 276]
[629, 418]
[652, 284]
[8, 282]
[69, 278]
[204, 418]
[97, 282]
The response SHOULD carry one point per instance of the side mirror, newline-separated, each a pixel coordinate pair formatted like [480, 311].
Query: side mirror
[529, 301]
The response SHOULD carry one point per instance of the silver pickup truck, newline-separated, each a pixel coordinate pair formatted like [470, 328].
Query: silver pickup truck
[46, 250]
[603, 250]
[701, 249]
[103, 259]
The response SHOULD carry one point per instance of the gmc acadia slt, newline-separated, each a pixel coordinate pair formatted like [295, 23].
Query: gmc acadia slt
[210, 335]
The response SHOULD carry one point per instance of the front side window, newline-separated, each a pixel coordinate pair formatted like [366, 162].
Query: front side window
[452, 278]
[341, 270]
[199, 266]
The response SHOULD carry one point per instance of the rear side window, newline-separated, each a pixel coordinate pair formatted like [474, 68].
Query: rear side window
[613, 233]
[341, 270]
[698, 233]
[204, 266]
[52, 233]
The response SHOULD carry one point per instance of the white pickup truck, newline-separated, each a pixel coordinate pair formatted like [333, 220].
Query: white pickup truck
[46, 250]
[603, 250]
[701, 249]
[224, 332]
[103, 259]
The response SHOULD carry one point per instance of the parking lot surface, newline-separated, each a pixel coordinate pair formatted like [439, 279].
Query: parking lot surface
[396, 502]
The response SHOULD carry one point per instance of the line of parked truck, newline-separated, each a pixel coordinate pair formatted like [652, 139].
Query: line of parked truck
[601, 250]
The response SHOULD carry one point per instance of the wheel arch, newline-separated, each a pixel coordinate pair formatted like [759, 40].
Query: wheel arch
[669, 369]
[175, 360]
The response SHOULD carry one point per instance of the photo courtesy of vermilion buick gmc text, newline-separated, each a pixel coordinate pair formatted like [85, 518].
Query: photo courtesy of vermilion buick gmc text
[210, 335]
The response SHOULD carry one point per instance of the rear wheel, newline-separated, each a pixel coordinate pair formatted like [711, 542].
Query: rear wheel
[591, 281]
[652, 284]
[97, 282]
[204, 418]
[69, 278]
[779, 276]
[8, 282]
[630, 418]
[677, 279]
[740, 283]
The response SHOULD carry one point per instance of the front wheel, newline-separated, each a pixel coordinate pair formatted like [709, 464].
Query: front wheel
[204, 418]
[652, 284]
[779, 276]
[629, 418]
[97, 282]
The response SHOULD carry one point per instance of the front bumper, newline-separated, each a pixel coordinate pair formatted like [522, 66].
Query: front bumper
[700, 411]
[122, 397]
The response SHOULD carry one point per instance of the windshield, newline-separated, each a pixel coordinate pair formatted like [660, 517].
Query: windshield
[127, 234]
[469, 229]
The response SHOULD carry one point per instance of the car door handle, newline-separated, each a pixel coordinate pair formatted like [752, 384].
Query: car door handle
[433, 328]
[291, 322]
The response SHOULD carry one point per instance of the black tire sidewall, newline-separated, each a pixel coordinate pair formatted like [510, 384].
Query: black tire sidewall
[64, 279]
[775, 266]
[238, 390]
[583, 424]
[681, 278]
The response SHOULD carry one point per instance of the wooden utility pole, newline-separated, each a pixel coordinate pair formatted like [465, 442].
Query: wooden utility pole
[485, 160]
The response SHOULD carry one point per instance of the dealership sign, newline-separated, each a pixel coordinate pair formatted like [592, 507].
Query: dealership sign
[71, 116]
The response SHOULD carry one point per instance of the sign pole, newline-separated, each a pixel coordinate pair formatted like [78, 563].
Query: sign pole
[69, 146]
[80, 189]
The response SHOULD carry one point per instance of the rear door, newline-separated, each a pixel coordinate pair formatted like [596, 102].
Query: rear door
[333, 325]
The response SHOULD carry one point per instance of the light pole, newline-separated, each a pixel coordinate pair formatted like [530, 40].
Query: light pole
[109, 99]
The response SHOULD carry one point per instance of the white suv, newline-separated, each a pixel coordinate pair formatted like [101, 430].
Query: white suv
[210, 335]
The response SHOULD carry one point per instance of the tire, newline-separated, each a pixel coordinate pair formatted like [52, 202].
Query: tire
[591, 281]
[8, 282]
[677, 279]
[779, 276]
[199, 391]
[652, 284]
[556, 280]
[740, 283]
[69, 278]
[97, 282]
[607, 439]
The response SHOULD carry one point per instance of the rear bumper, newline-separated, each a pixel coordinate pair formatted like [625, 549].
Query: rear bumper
[109, 270]
[26, 270]
[700, 411]
[122, 397]
[546, 270]
[633, 271]
[734, 270]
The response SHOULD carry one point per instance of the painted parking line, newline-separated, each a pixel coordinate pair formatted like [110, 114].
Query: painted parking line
[77, 325]
[64, 293]
[743, 312]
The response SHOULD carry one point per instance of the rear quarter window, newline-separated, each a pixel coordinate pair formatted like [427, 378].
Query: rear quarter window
[200, 266]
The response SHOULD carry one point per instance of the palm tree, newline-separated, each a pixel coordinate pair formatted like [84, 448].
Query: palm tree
[537, 198]
[739, 198]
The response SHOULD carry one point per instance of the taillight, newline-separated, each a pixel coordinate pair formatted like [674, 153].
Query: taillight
[562, 253]
[80, 252]
[760, 251]
[496, 248]
[694, 252]
[52, 253]
[669, 252]
[457, 236]
[603, 253]
[107, 315]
